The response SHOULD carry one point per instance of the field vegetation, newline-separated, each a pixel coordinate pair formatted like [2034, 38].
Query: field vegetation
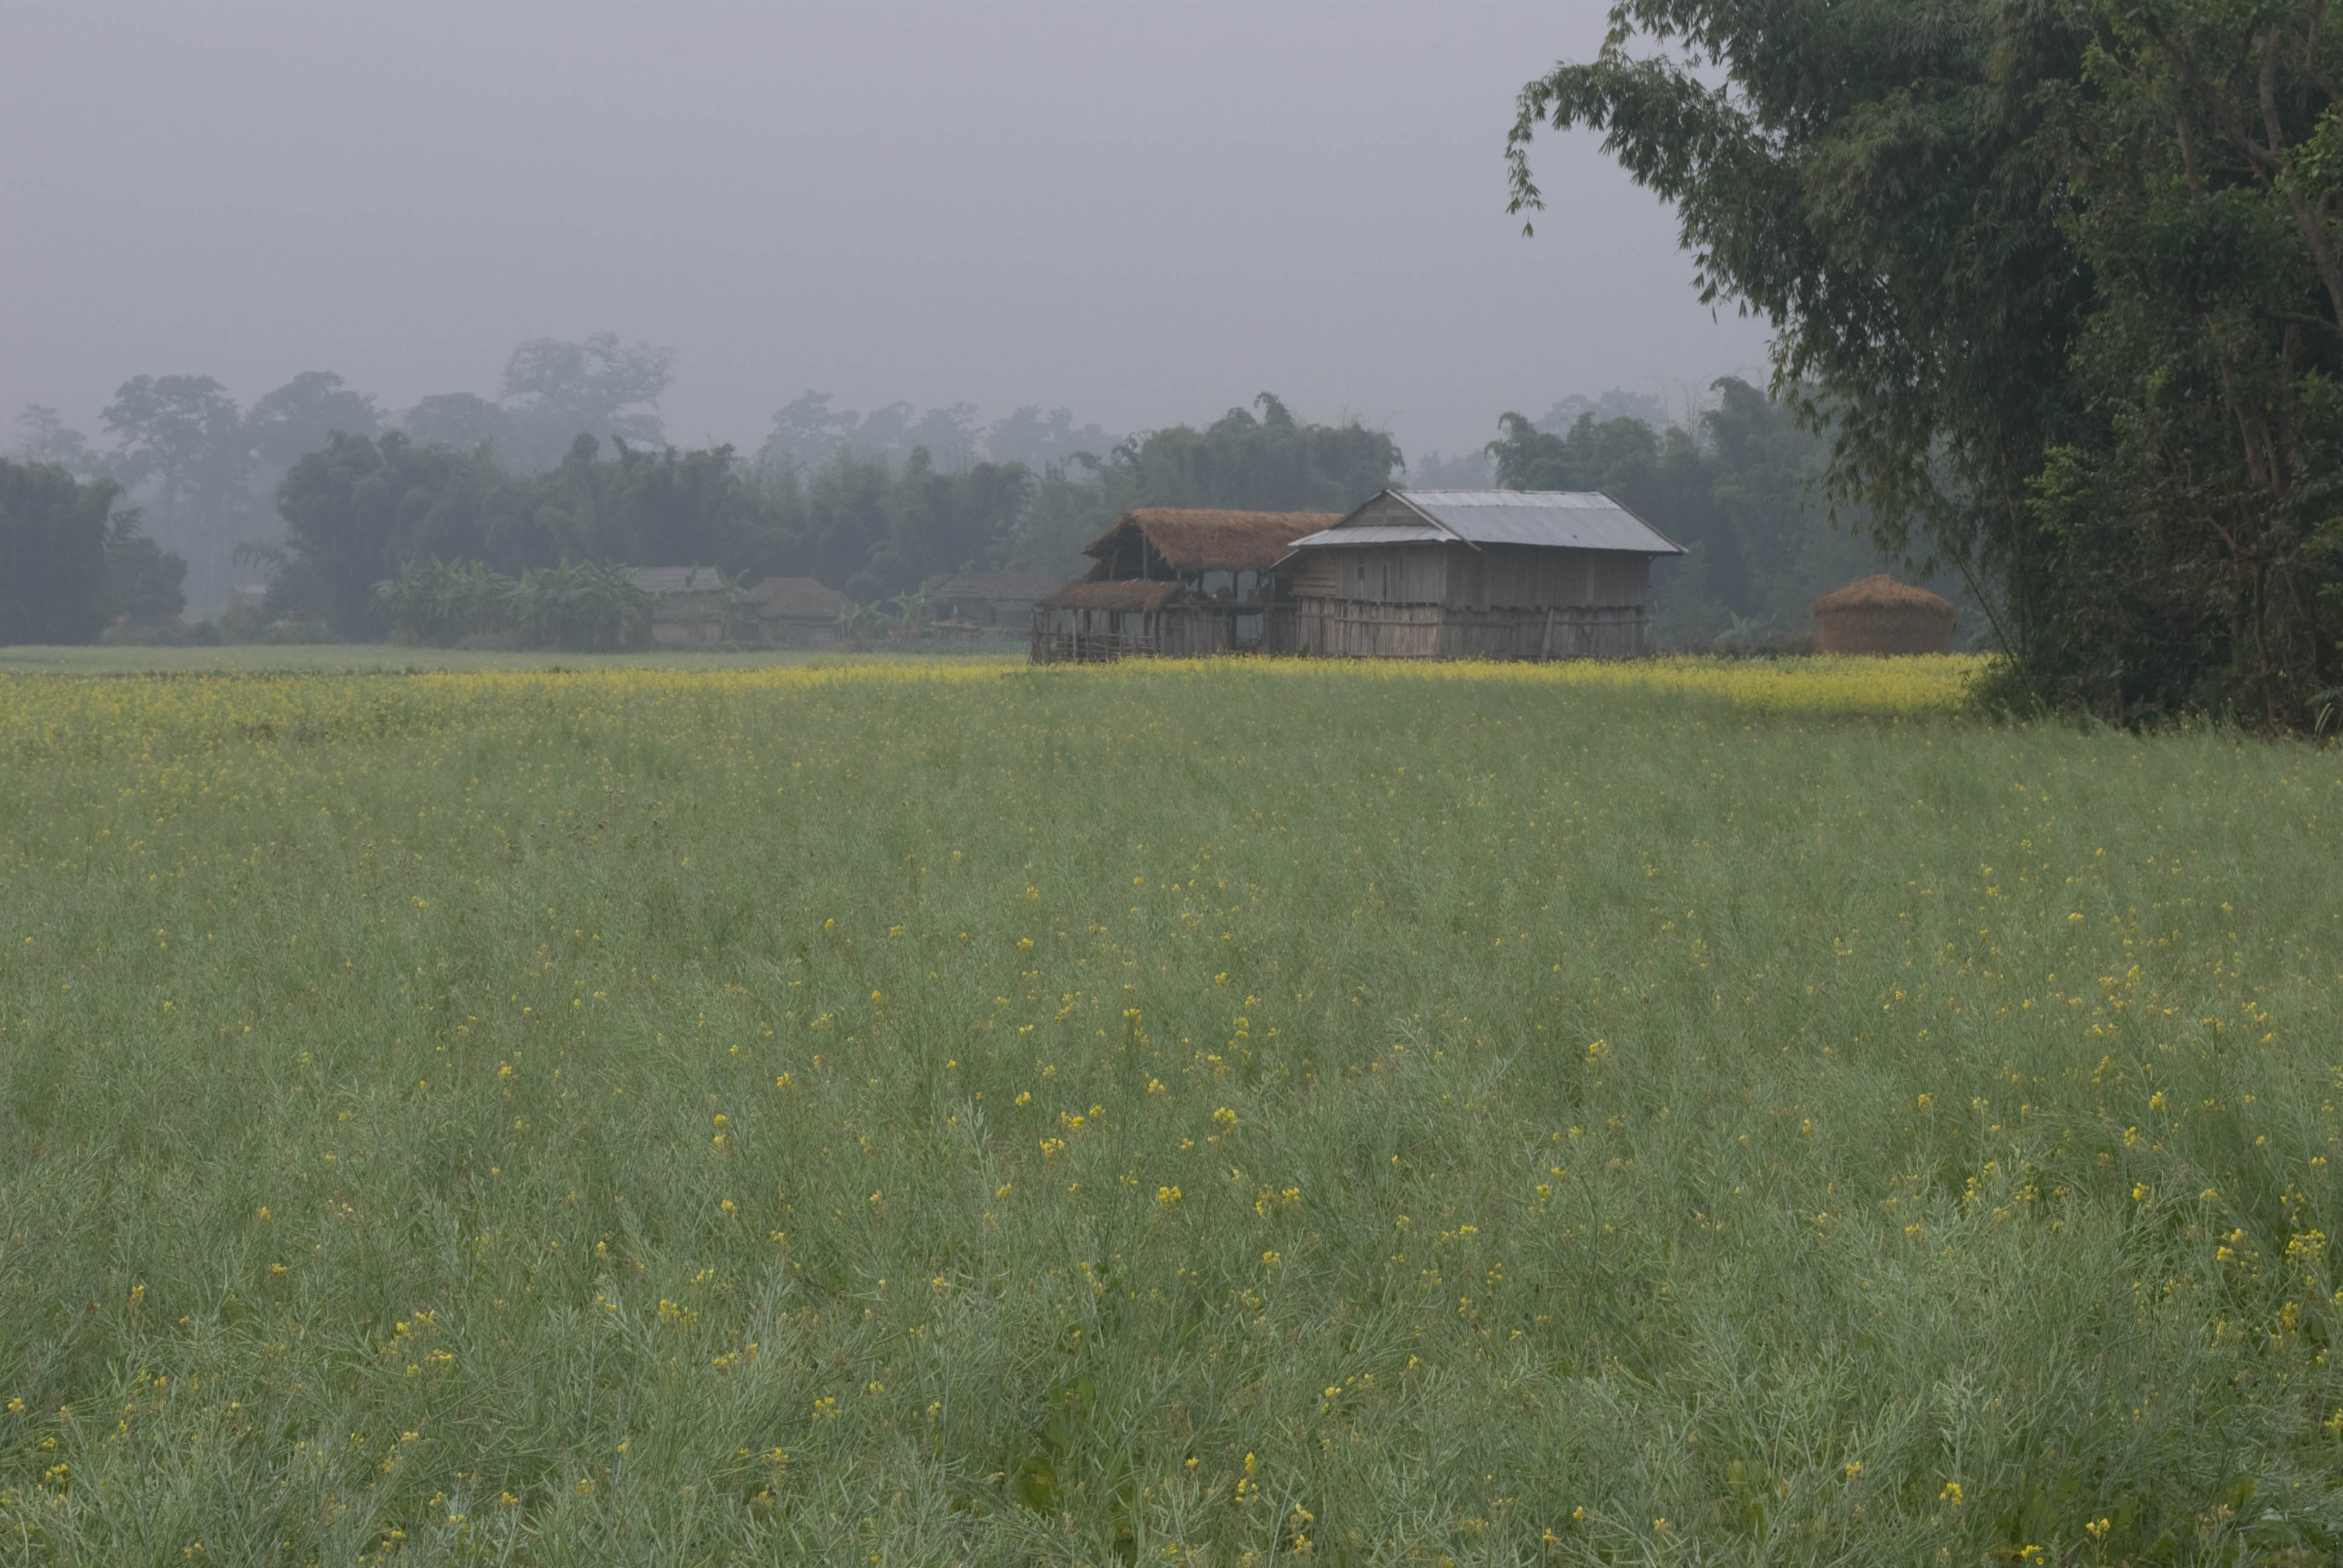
[933, 1111]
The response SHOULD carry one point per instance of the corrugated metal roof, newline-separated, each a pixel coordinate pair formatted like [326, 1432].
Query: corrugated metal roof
[1380, 534]
[1563, 519]
[1571, 520]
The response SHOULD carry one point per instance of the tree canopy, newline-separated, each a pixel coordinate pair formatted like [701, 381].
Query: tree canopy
[2058, 281]
[70, 563]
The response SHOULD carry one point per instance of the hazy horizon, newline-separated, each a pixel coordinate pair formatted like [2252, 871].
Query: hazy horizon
[1143, 214]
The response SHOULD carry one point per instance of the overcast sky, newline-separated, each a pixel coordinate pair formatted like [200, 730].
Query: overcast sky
[1142, 212]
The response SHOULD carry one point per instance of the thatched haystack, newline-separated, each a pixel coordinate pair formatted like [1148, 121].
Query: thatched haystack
[1880, 615]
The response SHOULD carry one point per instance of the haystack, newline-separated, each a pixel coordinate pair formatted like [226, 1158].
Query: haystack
[1880, 615]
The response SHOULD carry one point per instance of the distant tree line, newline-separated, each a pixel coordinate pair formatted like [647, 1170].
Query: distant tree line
[2064, 286]
[876, 505]
[367, 508]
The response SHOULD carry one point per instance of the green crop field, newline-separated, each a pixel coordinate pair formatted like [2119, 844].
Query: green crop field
[936, 1112]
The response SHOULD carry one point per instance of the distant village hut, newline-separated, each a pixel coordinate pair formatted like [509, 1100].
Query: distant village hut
[975, 601]
[1178, 583]
[1477, 574]
[1880, 615]
[796, 612]
[688, 604]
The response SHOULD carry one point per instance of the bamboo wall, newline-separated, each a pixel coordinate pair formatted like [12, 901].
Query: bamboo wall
[1496, 576]
[1360, 628]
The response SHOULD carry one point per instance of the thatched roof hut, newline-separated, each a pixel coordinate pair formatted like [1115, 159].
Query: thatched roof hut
[1186, 542]
[1880, 615]
[798, 599]
[1129, 594]
[1176, 581]
[987, 598]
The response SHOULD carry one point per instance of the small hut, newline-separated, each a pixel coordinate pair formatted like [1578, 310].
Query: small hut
[992, 599]
[1880, 615]
[688, 604]
[1477, 574]
[1178, 583]
[796, 611]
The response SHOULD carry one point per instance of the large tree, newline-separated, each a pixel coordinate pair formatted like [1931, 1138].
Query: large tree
[184, 436]
[53, 536]
[2195, 518]
[359, 509]
[556, 391]
[1968, 223]
[42, 437]
[294, 421]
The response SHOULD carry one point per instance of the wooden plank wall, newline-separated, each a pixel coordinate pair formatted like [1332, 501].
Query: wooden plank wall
[1392, 574]
[1521, 577]
[1314, 575]
[1359, 628]
[1496, 576]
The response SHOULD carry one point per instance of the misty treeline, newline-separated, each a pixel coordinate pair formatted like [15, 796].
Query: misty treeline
[870, 524]
[315, 490]
[205, 470]
[1733, 487]
[2064, 285]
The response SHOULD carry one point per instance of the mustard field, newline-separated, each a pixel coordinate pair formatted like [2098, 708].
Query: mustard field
[934, 1112]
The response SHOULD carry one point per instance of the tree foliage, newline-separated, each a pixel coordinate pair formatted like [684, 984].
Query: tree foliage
[183, 437]
[584, 606]
[69, 563]
[1264, 461]
[363, 509]
[2051, 276]
[2196, 510]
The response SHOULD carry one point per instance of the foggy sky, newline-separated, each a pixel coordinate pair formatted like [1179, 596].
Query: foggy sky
[1145, 213]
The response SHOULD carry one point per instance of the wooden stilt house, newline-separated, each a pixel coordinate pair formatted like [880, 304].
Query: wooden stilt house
[1178, 583]
[1476, 573]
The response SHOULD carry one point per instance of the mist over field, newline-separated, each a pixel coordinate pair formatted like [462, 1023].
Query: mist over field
[1143, 214]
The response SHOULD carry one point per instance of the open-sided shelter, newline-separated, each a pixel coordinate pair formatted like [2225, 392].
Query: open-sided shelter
[1477, 574]
[992, 599]
[1178, 582]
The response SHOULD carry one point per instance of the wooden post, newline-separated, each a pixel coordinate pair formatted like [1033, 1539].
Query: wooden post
[1545, 643]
